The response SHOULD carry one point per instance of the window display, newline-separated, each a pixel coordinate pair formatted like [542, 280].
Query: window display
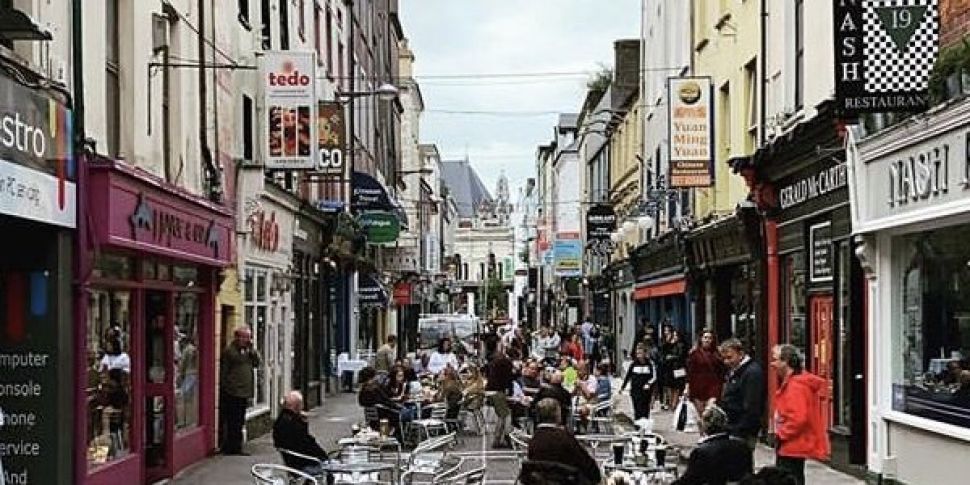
[931, 331]
[186, 360]
[794, 265]
[256, 298]
[108, 376]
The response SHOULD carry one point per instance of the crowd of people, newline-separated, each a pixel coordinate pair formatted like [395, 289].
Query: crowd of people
[552, 383]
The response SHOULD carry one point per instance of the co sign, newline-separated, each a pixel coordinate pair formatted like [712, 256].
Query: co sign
[331, 160]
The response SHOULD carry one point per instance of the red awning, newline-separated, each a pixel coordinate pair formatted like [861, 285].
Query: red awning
[666, 288]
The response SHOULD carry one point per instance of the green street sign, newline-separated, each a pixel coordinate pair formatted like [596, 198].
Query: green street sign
[901, 22]
[380, 227]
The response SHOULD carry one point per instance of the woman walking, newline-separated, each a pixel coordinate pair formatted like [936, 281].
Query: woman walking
[798, 414]
[705, 371]
[674, 367]
[641, 376]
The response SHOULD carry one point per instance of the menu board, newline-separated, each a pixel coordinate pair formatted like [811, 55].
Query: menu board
[820, 241]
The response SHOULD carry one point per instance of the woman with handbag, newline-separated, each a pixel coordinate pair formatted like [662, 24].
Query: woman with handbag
[675, 368]
[705, 371]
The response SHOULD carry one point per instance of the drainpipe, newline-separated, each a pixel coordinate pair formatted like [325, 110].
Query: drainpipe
[764, 73]
[80, 263]
[211, 172]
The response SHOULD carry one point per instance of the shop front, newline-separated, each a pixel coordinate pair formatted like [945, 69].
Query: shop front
[625, 319]
[661, 283]
[813, 281]
[911, 212]
[265, 253]
[311, 348]
[38, 218]
[724, 268]
[150, 257]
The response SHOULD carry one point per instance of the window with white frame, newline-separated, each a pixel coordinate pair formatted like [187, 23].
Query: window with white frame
[256, 301]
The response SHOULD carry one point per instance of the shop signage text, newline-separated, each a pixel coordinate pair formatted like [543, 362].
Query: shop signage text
[380, 227]
[808, 188]
[884, 51]
[167, 228]
[331, 139]
[291, 110]
[265, 231]
[820, 242]
[600, 224]
[690, 128]
[568, 257]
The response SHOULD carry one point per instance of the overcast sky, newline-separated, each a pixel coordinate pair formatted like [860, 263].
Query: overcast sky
[467, 37]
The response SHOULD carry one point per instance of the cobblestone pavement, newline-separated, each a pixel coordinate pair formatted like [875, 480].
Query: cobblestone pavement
[333, 420]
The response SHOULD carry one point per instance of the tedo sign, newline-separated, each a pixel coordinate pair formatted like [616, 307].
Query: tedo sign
[265, 231]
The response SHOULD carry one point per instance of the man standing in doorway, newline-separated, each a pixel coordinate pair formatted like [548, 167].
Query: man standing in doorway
[743, 398]
[236, 366]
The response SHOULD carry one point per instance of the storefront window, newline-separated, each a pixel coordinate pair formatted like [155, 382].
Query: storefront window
[186, 360]
[843, 352]
[256, 297]
[108, 375]
[795, 301]
[931, 326]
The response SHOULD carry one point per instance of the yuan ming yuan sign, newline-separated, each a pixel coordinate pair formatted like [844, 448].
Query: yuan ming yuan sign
[691, 132]
[884, 51]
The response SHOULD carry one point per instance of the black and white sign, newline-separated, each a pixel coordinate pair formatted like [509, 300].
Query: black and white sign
[808, 188]
[820, 261]
[884, 51]
[600, 224]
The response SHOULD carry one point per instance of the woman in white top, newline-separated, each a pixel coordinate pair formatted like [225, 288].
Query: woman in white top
[442, 357]
[114, 358]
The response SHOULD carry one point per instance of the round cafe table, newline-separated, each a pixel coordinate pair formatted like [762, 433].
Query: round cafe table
[595, 440]
[356, 470]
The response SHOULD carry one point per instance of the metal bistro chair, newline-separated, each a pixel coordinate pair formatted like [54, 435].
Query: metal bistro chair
[471, 477]
[289, 457]
[437, 421]
[429, 457]
[472, 405]
[273, 474]
[601, 416]
[520, 444]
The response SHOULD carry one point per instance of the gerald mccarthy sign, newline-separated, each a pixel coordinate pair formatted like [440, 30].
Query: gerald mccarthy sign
[808, 188]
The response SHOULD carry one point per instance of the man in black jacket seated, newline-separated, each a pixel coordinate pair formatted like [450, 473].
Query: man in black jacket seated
[372, 393]
[292, 433]
[552, 443]
[718, 457]
[555, 391]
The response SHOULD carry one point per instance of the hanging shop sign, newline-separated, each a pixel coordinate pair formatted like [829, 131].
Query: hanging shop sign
[368, 193]
[600, 224]
[380, 227]
[568, 257]
[289, 95]
[402, 293]
[884, 52]
[370, 292]
[808, 188]
[821, 262]
[265, 231]
[37, 167]
[691, 132]
[331, 140]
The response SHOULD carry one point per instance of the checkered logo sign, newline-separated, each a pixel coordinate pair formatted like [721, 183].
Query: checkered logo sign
[901, 42]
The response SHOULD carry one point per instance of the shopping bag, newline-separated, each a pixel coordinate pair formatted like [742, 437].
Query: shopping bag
[680, 415]
[693, 420]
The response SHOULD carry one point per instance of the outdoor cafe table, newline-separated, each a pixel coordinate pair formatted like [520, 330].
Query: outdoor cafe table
[633, 469]
[380, 442]
[594, 440]
[355, 470]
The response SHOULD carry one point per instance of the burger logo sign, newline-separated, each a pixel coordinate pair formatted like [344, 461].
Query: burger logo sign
[689, 92]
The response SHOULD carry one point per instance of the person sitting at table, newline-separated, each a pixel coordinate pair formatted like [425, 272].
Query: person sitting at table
[450, 392]
[552, 443]
[442, 357]
[291, 432]
[554, 389]
[529, 380]
[569, 373]
[718, 457]
[372, 394]
[604, 384]
[397, 384]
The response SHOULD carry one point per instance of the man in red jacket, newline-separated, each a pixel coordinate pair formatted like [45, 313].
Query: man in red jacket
[798, 414]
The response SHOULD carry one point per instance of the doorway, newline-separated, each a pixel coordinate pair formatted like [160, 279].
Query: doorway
[821, 362]
[159, 385]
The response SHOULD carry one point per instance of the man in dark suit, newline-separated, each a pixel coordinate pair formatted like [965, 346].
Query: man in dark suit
[291, 432]
[552, 443]
[718, 458]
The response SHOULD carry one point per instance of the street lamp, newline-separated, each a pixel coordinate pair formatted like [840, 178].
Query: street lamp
[384, 92]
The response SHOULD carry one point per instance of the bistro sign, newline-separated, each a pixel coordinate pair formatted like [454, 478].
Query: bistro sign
[808, 188]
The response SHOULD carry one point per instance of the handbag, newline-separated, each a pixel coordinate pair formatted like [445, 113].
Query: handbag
[680, 415]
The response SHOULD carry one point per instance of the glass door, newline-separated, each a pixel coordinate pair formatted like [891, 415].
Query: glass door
[821, 362]
[159, 385]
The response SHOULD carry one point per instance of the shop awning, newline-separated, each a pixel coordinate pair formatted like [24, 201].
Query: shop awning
[663, 288]
[369, 194]
[370, 292]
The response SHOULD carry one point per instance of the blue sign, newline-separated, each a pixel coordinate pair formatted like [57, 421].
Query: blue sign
[568, 257]
[330, 206]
